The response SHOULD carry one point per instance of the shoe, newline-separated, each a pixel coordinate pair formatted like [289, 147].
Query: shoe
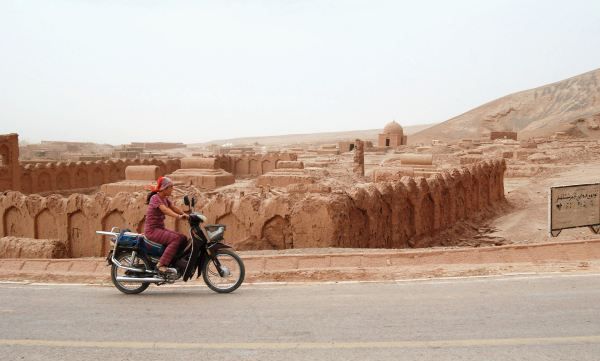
[167, 271]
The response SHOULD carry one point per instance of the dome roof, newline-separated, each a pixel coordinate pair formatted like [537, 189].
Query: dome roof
[393, 128]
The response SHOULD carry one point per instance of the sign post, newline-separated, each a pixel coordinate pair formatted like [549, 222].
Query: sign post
[574, 206]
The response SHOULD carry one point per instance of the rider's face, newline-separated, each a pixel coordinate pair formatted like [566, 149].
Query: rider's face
[167, 191]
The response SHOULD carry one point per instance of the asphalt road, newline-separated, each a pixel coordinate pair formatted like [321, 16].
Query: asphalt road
[552, 317]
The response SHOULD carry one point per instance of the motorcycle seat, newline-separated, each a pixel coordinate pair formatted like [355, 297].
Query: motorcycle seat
[153, 248]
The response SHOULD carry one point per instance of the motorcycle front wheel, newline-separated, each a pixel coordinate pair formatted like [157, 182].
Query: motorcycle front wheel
[231, 273]
[126, 260]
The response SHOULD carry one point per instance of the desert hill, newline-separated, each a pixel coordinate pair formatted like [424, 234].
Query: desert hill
[571, 105]
[313, 138]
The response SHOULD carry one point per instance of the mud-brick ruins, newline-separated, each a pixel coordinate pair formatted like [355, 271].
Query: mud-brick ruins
[373, 196]
[473, 180]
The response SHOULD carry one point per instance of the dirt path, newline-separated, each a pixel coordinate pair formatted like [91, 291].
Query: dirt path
[528, 221]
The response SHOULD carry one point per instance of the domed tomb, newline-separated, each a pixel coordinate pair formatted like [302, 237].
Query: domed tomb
[392, 136]
[393, 128]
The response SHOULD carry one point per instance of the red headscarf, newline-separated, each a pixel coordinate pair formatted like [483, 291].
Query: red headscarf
[161, 184]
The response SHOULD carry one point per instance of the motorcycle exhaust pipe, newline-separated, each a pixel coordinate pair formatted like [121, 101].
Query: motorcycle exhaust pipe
[140, 279]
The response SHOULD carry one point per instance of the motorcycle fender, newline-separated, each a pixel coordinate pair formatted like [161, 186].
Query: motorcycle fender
[217, 246]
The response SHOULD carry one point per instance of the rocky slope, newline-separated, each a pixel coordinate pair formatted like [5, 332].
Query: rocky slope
[571, 105]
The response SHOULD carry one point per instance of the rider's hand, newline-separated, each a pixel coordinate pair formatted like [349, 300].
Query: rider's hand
[183, 216]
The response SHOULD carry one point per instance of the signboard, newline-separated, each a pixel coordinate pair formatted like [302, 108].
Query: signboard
[574, 206]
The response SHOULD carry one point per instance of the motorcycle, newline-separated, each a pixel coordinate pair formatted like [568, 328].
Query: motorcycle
[133, 258]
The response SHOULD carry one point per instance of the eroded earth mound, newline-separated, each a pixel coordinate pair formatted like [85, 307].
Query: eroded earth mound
[570, 106]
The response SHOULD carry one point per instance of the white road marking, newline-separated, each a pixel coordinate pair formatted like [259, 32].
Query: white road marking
[532, 341]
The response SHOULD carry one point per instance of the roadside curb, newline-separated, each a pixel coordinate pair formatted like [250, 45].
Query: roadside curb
[530, 253]
[387, 264]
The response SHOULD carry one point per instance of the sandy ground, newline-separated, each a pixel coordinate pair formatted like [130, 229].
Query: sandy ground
[527, 222]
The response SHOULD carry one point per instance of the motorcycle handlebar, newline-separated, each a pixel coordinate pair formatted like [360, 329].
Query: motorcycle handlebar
[197, 217]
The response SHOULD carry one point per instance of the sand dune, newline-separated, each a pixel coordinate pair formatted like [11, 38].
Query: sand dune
[571, 105]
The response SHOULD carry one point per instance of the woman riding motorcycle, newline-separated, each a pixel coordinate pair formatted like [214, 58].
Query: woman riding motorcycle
[160, 205]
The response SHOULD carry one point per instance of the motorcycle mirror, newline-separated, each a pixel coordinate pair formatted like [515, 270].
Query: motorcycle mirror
[186, 200]
[193, 201]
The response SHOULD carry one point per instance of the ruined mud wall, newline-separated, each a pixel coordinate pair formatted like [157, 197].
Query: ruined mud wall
[395, 214]
[411, 211]
[503, 135]
[9, 162]
[252, 165]
[55, 176]
[72, 220]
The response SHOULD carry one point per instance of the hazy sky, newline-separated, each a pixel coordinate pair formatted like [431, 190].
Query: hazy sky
[120, 71]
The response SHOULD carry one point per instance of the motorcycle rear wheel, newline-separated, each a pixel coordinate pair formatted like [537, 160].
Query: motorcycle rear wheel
[129, 288]
[230, 282]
